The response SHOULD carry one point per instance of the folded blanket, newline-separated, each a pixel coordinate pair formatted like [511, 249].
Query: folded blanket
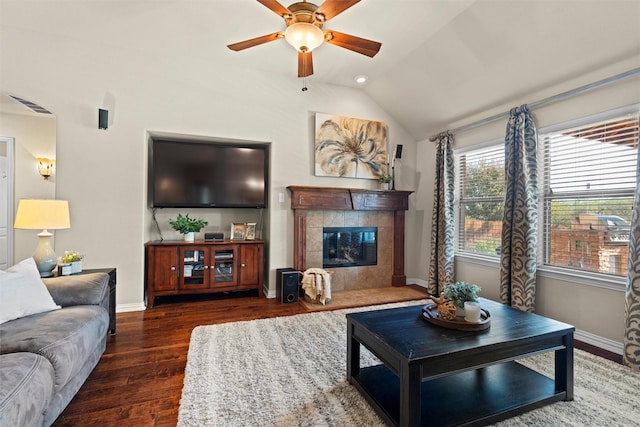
[316, 283]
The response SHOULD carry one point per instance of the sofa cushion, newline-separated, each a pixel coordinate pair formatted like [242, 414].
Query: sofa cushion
[64, 337]
[27, 388]
[89, 288]
[22, 292]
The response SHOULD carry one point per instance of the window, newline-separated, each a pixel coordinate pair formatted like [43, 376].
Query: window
[481, 199]
[587, 186]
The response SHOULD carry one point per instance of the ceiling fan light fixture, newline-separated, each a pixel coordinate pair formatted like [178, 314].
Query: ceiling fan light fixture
[304, 37]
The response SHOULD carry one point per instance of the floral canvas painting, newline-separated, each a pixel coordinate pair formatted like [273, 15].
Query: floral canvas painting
[349, 147]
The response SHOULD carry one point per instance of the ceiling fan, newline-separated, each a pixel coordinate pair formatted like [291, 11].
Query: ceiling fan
[304, 32]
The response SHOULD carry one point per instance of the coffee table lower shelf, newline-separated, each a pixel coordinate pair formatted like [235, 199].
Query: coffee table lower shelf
[479, 397]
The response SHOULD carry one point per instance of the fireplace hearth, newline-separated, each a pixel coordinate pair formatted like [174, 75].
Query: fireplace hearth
[349, 246]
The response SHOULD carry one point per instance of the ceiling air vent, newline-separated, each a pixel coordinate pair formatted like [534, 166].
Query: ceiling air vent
[31, 105]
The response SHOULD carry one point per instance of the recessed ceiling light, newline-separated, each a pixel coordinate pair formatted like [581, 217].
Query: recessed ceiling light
[361, 79]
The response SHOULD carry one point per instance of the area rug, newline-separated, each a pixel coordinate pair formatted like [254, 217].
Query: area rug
[290, 371]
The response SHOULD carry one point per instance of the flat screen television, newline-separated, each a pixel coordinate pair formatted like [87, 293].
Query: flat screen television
[185, 174]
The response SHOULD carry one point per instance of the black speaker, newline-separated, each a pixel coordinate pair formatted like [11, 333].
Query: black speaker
[398, 151]
[103, 118]
[213, 237]
[287, 282]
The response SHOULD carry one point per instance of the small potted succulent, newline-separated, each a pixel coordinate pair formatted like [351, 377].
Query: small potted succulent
[188, 226]
[459, 293]
[74, 260]
[384, 181]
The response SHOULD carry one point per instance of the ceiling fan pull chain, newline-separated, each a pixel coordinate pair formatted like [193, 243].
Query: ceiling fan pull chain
[304, 78]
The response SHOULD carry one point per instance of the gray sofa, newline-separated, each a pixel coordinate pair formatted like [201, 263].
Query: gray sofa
[45, 358]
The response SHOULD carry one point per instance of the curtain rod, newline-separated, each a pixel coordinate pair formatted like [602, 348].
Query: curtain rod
[545, 101]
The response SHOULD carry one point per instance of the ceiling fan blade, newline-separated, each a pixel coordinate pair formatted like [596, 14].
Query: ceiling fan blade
[356, 44]
[275, 7]
[305, 64]
[331, 8]
[255, 42]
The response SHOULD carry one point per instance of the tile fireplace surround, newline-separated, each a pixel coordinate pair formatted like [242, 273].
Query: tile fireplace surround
[318, 207]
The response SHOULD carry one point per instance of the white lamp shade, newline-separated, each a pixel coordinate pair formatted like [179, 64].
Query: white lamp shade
[304, 36]
[42, 214]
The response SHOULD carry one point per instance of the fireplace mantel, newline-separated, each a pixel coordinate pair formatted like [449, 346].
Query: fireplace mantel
[304, 199]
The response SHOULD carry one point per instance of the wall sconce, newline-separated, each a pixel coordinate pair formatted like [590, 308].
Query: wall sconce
[45, 166]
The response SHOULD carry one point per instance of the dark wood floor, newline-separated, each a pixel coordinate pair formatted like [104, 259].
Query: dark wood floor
[139, 378]
[138, 381]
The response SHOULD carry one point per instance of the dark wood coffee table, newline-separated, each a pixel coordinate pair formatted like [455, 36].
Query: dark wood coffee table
[442, 377]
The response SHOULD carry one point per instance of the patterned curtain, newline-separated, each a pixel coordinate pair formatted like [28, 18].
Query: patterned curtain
[519, 225]
[442, 222]
[631, 354]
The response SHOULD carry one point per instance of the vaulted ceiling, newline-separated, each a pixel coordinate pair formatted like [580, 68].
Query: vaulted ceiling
[441, 61]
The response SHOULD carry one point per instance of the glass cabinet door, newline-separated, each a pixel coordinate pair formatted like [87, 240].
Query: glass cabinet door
[223, 269]
[194, 274]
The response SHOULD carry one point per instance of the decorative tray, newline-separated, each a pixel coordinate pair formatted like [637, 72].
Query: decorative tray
[430, 314]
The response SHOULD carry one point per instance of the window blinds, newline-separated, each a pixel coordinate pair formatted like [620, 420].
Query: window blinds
[589, 180]
[481, 199]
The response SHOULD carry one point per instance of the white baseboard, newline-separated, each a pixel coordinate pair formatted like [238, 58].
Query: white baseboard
[600, 342]
[270, 294]
[123, 308]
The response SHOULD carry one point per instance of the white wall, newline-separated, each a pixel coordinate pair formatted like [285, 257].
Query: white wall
[34, 136]
[593, 310]
[103, 173]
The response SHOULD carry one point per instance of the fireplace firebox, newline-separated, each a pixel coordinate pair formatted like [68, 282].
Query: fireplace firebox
[349, 246]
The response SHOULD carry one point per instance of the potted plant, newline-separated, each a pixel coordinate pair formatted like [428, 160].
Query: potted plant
[384, 180]
[459, 293]
[188, 226]
[74, 259]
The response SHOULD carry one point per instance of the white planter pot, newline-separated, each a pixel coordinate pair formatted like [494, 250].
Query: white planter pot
[64, 269]
[76, 267]
[189, 237]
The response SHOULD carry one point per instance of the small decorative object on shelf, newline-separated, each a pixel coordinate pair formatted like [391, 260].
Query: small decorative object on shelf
[472, 311]
[448, 310]
[384, 181]
[250, 230]
[188, 226]
[459, 293]
[238, 231]
[431, 314]
[73, 260]
[445, 309]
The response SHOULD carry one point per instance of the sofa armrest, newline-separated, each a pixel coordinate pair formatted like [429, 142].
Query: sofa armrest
[84, 289]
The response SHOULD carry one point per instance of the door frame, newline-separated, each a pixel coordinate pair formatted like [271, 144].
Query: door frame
[9, 141]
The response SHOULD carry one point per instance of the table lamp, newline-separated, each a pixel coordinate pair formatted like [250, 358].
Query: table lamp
[36, 214]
